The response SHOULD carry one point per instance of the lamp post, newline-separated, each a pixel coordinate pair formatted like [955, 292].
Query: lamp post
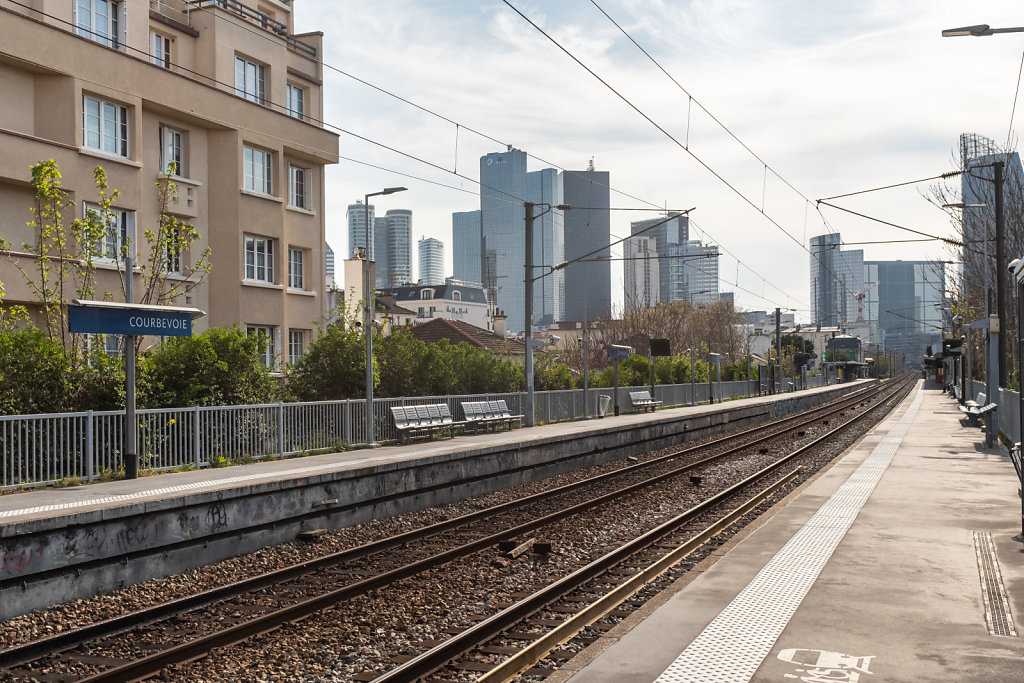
[368, 308]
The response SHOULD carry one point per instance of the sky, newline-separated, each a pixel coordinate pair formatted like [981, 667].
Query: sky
[767, 106]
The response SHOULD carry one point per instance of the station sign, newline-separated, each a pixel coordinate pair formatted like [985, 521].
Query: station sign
[129, 319]
[618, 351]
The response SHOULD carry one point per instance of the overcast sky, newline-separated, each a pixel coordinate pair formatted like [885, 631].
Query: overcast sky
[834, 97]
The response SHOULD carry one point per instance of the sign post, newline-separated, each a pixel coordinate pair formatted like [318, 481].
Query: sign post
[617, 352]
[130, 321]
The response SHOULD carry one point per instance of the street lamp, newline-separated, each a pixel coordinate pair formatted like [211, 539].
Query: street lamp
[978, 30]
[368, 307]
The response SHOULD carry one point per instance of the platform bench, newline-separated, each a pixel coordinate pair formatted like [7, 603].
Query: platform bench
[642, 401]
[976, 409]
[489, 414]
[426, 420]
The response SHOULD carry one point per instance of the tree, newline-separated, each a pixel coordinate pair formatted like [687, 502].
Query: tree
[333, 367]
[221, 366]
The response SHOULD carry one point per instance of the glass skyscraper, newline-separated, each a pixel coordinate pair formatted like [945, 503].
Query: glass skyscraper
[467, 256]
[670, 237]
[357, 228]
[588, 284]
[399, 262]
[431, 252]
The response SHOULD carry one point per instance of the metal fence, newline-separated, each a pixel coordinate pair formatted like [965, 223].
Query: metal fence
[46, 449]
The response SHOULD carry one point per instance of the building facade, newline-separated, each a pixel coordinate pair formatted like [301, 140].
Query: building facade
[399, 254]
[640, 272]
[231, 98]
[700, 272]
[545, 187]
[431, 253]
[452, 300]
[358, 215]
[587, 230]
[826, 301]
[467, 253]
[670, 237]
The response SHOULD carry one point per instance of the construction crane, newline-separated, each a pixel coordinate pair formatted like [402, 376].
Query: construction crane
[860, 300]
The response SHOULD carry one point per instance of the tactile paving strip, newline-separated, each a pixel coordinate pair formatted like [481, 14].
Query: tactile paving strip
[733, 645]
[997, 606]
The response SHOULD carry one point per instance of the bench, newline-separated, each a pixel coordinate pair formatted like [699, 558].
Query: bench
[426, 420]
[489, 414]
[977, 409]
[642, 401]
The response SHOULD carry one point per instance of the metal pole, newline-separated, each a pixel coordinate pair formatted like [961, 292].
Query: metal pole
[131, 448]
[997, 167]
[368, 323]
[528, 322]
[693, 391]
[991, 385]
[778, 346]
[586, 356]
[1020, 401]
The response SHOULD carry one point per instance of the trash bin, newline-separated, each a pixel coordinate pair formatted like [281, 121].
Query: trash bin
[602, 404]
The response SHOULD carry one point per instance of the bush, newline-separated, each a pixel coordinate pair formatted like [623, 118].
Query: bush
[34, 373]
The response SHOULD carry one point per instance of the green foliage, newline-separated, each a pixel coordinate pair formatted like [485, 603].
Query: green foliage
[797, 344]
[34, 373]
[334, 367]
[550, 375]
[221, 366]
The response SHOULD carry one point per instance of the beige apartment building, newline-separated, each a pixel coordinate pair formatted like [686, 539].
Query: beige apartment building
[223, 89]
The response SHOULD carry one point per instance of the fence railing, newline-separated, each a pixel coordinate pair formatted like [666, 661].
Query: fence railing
[40, 450]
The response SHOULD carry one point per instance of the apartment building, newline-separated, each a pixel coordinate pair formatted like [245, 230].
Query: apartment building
[224, 90]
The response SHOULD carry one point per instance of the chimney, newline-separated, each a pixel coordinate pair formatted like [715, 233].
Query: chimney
[499, 324]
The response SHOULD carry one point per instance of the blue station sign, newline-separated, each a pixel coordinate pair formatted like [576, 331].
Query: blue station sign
[131, 320]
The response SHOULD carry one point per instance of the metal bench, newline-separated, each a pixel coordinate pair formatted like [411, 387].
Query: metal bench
[642, 401]
[507, 414]
[411, 421]
[977, 409]
[484, 414]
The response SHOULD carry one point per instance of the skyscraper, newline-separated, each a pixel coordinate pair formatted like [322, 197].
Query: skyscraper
[826, 308]
[586, 229]
[431, 261]
[357, 228]
[399, 229]
[502, 186]
[640, 271]
[467, 255]
[670, 236]
[382, 271]
[545, 187]
[700, 272]
[328, 266]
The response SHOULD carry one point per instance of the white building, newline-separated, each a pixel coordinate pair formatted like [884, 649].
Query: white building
[431, 253]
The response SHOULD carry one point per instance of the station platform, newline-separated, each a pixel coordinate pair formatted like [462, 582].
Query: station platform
[902, 562]
[59, 544]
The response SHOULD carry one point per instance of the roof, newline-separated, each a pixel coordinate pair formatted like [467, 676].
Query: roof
[456, 331]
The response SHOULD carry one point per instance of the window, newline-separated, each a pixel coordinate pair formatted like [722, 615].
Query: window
[296, 278]
[106, 344]
[259, 259]
[101, 20]
[105, 126]
[172, 250]
[118, 236]
[269, 356]
[426, 294]
[172, 151]
[250, 82]
[160, 49]
[296, 345]
[296, 101]
[456, 295]
[298, 188]
[258, 176]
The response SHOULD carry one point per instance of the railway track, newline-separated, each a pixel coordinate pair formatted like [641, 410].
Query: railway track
[234, 613]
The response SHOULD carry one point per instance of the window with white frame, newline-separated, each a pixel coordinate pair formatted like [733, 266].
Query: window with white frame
[259, 259]
[101, 20]
[173, 248]
[296, 101]
[160, 49]
[250, 80]
[258, 174]
[298, 187]
[296, 345]
[107, 344]
[172, 150]
[269, 355]
[105, 126]
[118, 234]
[296, 272]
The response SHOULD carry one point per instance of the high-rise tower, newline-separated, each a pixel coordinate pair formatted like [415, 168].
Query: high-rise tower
[587, 229]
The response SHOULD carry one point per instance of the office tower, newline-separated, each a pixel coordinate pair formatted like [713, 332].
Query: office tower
[851, 275]
[502, 191]
[670, 235]
[640, 271]
[700, 272]
[399, 262]
[587, 229]
[382, 271]
[140, 88]
[357, 216]
[904, 304]
[328, 266]
[544, 188]
[467, 255]
[826, 285]
[431, 261]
